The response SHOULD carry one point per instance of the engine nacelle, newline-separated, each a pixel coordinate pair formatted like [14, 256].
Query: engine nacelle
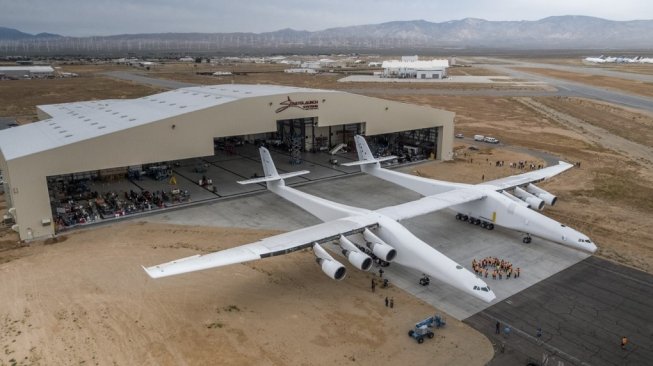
[542, 194]
[515, 199]
[380, 249]
[533, 202]
[357, 259]
[330, 266]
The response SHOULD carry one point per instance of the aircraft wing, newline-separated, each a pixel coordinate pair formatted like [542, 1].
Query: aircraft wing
[530, 177]
[432, 203]
[268, 247]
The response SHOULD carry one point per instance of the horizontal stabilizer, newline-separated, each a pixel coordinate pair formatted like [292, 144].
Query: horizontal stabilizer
[371, 161]
[273, 178]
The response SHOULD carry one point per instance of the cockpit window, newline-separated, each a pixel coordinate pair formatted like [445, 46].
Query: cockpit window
[476, 288]
[485, 289]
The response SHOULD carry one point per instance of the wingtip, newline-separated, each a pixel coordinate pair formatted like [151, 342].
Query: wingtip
[148, 272]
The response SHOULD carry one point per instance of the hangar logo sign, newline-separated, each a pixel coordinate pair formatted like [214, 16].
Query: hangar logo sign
[301, 104]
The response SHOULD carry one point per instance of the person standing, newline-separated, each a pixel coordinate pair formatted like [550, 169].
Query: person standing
[497, 328]
[624, 342]
[381, 272]
[373, 285]
[392, 302]
[386, 301]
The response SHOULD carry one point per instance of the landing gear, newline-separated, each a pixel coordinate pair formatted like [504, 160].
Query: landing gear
[527, 239]
[474, 221]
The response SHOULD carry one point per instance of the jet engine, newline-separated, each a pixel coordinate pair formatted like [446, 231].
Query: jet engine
[330, 266]
[359, 260]
[515, 199]
[545, 196]
[380, 249]
[533, 202]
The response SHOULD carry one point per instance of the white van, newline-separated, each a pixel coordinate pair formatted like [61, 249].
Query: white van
[491, 140]
[479, 137]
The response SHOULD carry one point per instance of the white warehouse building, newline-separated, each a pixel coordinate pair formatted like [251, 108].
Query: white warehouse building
[23, 72]
[415, 69]
[99, 138]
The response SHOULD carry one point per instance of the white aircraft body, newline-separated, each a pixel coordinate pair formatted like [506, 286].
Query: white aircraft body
[385, 238]
[493, 206]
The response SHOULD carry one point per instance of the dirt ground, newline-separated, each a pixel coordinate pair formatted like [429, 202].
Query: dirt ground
[20, 97]
[636, 87]
[86, 300]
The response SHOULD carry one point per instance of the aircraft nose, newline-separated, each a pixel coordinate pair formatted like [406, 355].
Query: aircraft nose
[591, 247]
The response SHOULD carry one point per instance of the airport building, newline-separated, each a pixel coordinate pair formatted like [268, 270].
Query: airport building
[410, 67]
[94, 160]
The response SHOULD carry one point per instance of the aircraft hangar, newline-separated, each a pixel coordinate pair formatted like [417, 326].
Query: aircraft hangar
[91, 160]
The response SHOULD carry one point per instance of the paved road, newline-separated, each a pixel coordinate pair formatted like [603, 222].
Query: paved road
[141, 79]
[583, 312]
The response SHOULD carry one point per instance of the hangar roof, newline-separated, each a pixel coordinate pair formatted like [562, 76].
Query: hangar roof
[73, 122]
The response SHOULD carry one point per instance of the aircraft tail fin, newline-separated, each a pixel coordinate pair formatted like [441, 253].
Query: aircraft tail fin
[270, 171]
[365, 154]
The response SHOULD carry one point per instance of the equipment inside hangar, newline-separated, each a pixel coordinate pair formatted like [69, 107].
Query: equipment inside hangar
[89, 161]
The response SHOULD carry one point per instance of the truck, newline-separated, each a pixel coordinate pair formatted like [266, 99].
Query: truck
[491, 140]
[479, 137]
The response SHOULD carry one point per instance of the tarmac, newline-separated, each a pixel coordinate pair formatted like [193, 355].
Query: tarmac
[583, 312]
[460, 241]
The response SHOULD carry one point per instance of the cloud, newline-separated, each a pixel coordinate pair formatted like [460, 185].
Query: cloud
[93, 17]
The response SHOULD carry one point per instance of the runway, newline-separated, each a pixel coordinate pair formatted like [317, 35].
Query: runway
[562, 88]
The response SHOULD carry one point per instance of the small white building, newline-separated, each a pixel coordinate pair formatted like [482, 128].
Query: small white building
[431, 69]
[26, 72]
[311, 65]
[300, 71]
[187, 59]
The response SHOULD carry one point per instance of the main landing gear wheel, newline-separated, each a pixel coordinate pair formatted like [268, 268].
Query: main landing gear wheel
[490, 226]
[483, 225]
[527, 239]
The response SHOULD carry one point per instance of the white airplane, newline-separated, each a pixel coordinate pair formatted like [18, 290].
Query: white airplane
[384, 237]
[493, 205]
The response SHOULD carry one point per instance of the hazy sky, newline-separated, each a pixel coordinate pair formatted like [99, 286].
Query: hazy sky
[94, 17]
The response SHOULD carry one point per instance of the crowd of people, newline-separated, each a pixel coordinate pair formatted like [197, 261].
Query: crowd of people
[495, 267]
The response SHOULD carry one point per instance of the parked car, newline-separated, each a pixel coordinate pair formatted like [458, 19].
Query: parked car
[491, 140]
[459, 136]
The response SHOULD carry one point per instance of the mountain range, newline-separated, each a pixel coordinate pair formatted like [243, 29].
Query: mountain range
[558, 32]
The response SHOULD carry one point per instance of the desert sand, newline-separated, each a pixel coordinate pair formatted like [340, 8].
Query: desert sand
[85, 300]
